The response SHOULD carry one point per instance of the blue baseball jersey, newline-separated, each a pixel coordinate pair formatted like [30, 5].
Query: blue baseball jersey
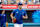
[3, 18]
[19, 14]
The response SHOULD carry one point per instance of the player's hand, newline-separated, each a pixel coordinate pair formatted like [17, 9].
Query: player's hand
[6, 24]
[23, 16]
[14, 20]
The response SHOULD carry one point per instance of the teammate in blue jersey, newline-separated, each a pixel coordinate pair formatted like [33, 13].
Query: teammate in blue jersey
[3, 18]
[20, 14]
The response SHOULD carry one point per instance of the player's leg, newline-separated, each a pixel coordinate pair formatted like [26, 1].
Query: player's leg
[21, 25]
[16, 25]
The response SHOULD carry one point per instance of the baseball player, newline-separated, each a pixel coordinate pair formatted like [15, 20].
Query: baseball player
[3, 18]
[20, 14]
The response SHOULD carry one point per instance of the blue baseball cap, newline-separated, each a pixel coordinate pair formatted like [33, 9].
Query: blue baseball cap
[20, 4]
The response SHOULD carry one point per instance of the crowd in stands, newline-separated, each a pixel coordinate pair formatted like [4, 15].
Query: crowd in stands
[26, 2]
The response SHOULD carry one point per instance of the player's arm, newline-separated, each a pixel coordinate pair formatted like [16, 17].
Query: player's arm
[25, 17]
[11, 16]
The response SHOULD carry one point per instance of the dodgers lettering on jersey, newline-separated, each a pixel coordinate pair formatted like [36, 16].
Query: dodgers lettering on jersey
[19, 14]
[3, 18]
